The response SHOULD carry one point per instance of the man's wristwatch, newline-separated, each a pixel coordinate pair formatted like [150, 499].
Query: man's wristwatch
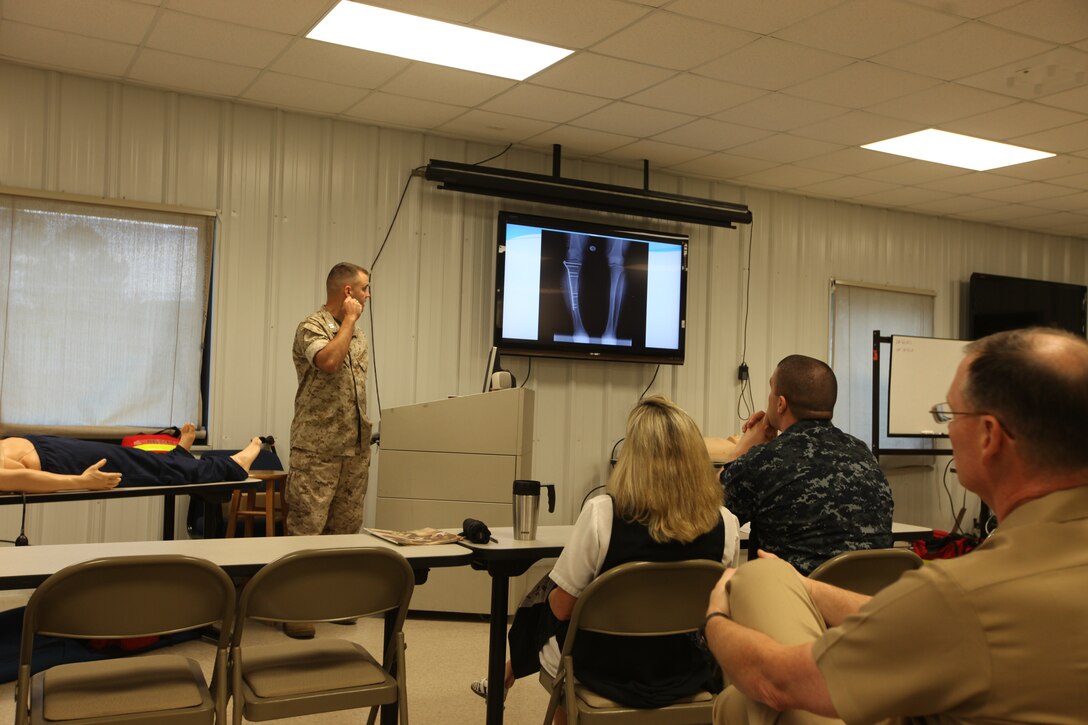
[711, 616]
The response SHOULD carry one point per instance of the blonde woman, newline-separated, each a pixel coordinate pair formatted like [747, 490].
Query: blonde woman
[663, 503]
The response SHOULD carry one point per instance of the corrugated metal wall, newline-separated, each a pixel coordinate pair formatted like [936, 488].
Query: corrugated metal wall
[299, 193]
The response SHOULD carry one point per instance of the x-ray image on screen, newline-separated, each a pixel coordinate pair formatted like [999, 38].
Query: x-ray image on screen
[603, 282]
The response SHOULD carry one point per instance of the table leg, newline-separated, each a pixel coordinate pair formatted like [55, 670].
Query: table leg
[168, 517]
[496, 654]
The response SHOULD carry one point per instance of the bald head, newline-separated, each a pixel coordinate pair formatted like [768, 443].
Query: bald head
[1035, 381]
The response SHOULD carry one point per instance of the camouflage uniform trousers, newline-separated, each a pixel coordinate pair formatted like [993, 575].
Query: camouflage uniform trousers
[325, 493]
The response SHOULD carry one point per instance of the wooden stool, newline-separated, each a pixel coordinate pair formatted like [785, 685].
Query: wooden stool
[251, 511]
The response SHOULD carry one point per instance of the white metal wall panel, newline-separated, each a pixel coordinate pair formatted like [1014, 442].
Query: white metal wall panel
[297, 194]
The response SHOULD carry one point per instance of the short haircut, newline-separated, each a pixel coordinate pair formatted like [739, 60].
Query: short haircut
[1035, 381]
[808, 385]
[663, 478]
[342, 274]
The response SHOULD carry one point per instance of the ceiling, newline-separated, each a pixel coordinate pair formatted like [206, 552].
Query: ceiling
[776, 94]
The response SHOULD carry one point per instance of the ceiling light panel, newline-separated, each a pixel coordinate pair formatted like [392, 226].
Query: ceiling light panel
[955, 149]
[431, 41]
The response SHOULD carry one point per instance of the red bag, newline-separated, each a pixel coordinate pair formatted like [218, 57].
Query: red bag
[154, 442]
[943, 545]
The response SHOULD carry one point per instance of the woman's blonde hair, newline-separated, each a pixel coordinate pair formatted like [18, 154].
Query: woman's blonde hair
[663, 478]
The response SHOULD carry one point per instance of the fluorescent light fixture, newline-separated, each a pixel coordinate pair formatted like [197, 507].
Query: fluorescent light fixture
[955, 149]
[431, 41]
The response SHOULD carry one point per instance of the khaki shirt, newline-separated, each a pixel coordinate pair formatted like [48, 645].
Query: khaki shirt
[998, 635]
[330, 408]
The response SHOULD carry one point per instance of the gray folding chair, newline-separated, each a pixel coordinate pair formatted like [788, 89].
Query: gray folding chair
[637, 599]
[123, 597]
[294, 677]
[866, 571]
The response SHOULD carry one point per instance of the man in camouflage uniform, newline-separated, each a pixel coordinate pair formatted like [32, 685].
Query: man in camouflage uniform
[810, 490]
[330, 433]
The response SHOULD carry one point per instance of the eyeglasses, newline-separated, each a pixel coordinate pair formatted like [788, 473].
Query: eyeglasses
[942, 413]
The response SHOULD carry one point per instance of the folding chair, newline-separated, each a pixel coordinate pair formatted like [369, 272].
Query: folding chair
[637, 599]
[866, 571]
[122, 597]
[325, 674]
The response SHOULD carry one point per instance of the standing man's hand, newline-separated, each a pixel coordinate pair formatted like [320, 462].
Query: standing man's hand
[351, 309]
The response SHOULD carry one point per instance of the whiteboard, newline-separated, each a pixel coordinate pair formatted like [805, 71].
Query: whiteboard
[920, 371]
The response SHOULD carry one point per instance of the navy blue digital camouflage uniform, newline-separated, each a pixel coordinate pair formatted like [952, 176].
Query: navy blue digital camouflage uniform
[811, 493]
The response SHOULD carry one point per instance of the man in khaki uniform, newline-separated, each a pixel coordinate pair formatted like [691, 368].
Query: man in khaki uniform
[330, 433]
[997, 635]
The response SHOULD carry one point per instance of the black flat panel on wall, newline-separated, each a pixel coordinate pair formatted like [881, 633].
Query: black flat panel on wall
[999, 303]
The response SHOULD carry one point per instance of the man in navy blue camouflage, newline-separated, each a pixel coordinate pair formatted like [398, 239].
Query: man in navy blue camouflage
[809, 490]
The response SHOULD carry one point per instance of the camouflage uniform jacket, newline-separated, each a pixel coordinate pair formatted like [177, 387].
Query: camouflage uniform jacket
[811, 493]
[330, 408]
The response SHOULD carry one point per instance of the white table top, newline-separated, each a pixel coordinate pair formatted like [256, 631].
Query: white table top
[20, 564]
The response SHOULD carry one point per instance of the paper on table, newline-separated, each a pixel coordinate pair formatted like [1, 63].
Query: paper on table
[416, 537]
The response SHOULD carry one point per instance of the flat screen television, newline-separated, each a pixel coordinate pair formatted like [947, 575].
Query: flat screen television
[999, 303]
[594, 291]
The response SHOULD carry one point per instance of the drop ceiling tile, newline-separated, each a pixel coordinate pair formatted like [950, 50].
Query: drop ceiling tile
[54, 49]
[114, 20]
[1064, 139]
[1075, 202]
[1051, 169]
[850, 161]
[723, 166]
[673, 41]
[1027, 193]
[697, 95]
[446, 85]
[964, 50]
[338, 64]
[579, 141]
[546, 104]
[941, 103]
[969, 183]
[403, 112]
[284, 91]
[476, 124]
[863, 28]
[660, 155]
[901, 196]
[1075, 99]
[785, 177]
[1059, 21]
[954, 205]
[785, 149]
[1077, 181]
[1012, 121]
[1077, 229]
[180, 72]
[1034, 78]
[599, 75]
[861, 84]
[631, 120]
[912, 173]
[566, 23]
[215, 40]
[283, 16]
[711, 135]
[856, 128]
[1062, 220]
[758, 16]
[779, 112]
[772, 64]
[846, 187]
[462, 11]
[967, 8]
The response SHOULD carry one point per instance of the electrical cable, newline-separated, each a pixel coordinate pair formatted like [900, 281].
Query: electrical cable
[746, 385]
[947, 492]
[492, 158]
[528, 373]
[580, 507]
[656, 370]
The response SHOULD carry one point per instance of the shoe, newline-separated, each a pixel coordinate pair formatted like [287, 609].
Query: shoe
[298, 630]
[480, 688]
[349, 621]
